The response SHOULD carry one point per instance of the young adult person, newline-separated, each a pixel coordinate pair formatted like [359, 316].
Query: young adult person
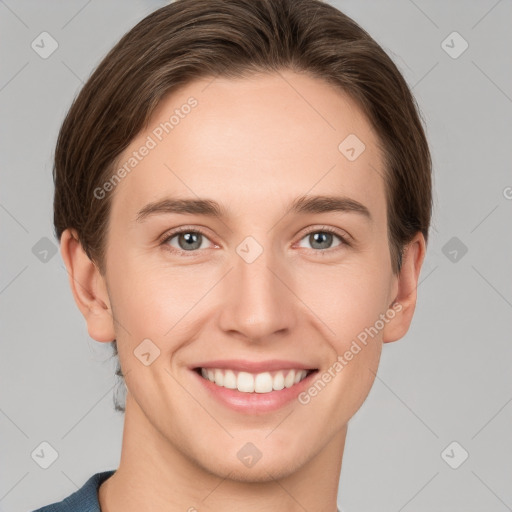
[242, 199]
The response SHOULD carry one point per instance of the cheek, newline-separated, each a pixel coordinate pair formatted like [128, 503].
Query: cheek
[345, 300]
[147, 306]
[349, 306]
[153, 301]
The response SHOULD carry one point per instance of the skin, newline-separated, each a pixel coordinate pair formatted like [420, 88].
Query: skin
[254, 145]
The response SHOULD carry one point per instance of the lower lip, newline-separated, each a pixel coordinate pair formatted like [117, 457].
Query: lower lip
[253, 403]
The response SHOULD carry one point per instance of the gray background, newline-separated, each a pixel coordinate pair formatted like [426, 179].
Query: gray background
[448, 380]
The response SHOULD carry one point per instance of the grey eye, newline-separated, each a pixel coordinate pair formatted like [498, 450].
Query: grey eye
[320, 239]
[187, 240]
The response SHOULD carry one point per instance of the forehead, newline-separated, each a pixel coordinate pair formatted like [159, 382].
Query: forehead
[253, 142]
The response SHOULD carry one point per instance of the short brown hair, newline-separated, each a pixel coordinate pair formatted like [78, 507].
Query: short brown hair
[191, 39]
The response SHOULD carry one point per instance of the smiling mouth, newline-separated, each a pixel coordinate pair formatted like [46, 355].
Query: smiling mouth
[246, 382]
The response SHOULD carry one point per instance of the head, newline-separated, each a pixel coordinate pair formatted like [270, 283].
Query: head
[253, 107]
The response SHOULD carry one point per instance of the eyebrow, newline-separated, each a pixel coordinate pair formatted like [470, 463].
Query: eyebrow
[210, 208]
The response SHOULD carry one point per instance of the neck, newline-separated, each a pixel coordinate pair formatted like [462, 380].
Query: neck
[154, 474]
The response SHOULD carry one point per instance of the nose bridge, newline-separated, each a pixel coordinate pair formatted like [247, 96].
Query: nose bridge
[258, 303]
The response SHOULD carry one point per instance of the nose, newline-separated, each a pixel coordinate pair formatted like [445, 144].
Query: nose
[258, 302]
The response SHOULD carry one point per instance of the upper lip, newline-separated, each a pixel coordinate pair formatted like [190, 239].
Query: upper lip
[253, 366]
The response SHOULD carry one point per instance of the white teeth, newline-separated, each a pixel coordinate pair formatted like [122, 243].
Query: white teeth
[219, 377]
[263, 383]
[289, 379]
[278, 383]
[246, 382]
[229, 379]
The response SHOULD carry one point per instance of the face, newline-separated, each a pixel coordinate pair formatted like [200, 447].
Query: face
[290, 270]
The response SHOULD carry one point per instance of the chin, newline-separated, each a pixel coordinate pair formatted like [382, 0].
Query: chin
[277, 464]
[260, 473]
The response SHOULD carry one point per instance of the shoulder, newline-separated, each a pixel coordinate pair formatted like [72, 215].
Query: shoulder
[84, 499]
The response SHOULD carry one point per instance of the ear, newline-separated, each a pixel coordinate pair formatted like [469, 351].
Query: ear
[88, 287]
[404, 302]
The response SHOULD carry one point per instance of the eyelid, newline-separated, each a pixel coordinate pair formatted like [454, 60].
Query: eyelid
[183, 229]
[330, 251]
[345, 237]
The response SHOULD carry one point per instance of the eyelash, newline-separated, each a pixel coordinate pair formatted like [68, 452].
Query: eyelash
[185, 229]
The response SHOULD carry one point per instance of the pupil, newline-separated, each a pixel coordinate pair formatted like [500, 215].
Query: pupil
[191, 240]
[322, 238]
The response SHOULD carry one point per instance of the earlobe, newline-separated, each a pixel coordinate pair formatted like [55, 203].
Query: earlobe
[88, 287]
[405, 302]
